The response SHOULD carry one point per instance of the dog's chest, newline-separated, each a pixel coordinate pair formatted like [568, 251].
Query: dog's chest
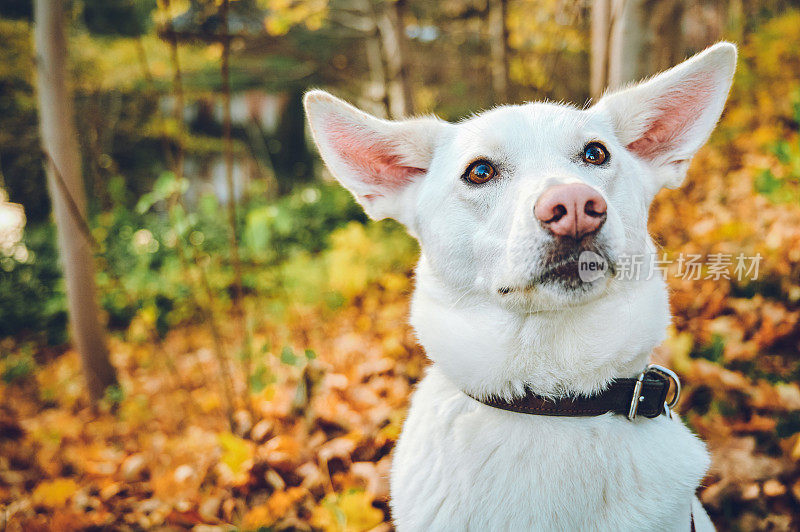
[462, 465]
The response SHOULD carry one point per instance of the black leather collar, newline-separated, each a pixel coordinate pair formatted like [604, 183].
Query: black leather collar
[645, 395]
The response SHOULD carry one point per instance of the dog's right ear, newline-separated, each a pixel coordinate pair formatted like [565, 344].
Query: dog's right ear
[380, 161]
[666, 119]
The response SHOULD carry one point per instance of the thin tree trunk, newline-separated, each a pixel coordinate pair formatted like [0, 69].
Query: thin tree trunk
[375, 57]
[377, 71]
[226, 132]
[628, 49]
[59, 140]
[667, 36]
[392, 31]
[498, 44]
[601, 26]
[621, 42]
[177, 163]
[239, 303]
[180, 104]
[736, 20]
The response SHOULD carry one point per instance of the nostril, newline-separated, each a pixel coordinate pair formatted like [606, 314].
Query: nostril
[558, 212]
[595, 209]
[549, 210]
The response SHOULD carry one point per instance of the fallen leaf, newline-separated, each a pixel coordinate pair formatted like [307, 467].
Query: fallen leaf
[55, 492]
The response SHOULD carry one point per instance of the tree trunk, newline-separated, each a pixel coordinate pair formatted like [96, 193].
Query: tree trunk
[627, 53]
[621, 42]
[65, 184]
[392, 31]
[601, 26]
[377, 67]
[665, 21]
[632, 39]
[736, 20]
[498, 44]
[228, 148]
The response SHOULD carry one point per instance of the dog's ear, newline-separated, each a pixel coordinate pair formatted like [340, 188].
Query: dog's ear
[666, 119]
[380, 161]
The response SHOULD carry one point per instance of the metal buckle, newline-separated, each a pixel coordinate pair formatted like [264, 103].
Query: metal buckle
[637, 390]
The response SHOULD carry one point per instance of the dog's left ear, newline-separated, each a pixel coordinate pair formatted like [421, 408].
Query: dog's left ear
[666, 119]
[380, 161]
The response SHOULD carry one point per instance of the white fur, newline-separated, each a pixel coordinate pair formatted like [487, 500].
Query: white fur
[460, 464]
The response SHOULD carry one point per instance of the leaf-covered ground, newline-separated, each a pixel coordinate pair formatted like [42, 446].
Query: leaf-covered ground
[313, 448]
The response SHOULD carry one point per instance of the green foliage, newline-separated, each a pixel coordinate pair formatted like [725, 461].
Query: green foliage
[260, 379]
[165, 187]
[781, 184]
[128, 18]
[288, 356]
[18, 366]
[21, 168]
[113, 396]
[712, 351]
[767, 184]
[141, 274]
[298, 222]
[357, 256]
[32, 299]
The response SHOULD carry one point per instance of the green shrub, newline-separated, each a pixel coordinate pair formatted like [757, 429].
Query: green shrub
[138, 263]
[783, 184]
[32, 299]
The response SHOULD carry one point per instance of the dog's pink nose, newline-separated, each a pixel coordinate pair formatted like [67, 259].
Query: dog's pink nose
[573, 210]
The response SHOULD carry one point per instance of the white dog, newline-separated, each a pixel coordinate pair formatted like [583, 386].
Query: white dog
[503, 205]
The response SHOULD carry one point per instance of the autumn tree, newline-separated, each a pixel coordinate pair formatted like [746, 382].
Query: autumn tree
[68, 197]
[632, 39]
[381, 27]
[619, 43]
[498, 45]
[391, 27]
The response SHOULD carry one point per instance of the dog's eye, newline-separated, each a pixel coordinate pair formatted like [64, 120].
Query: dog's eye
[480, 172]
[595, 153]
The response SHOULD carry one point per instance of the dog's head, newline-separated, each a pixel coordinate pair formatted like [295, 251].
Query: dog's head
[508, 202]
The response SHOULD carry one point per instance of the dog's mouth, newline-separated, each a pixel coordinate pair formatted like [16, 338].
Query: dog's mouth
[573, 268]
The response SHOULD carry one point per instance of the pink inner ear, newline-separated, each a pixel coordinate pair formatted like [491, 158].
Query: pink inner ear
[676, 112]
[375, 160]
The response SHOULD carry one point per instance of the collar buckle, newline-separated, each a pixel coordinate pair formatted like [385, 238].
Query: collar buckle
[637, 396]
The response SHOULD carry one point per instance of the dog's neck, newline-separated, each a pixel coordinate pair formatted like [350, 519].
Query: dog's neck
[489, 350]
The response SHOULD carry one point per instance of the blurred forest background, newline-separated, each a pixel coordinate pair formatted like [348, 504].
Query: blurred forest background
[247, 362]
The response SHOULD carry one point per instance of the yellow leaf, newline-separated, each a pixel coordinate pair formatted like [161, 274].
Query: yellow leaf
[207, 400]
[350, 511]
[237, 453]
[392, 429]
[680, 345]
[55, 493]
[796, 449]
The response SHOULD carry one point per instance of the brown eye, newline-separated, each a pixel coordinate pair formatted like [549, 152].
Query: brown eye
[480, 172]
[595, 153]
